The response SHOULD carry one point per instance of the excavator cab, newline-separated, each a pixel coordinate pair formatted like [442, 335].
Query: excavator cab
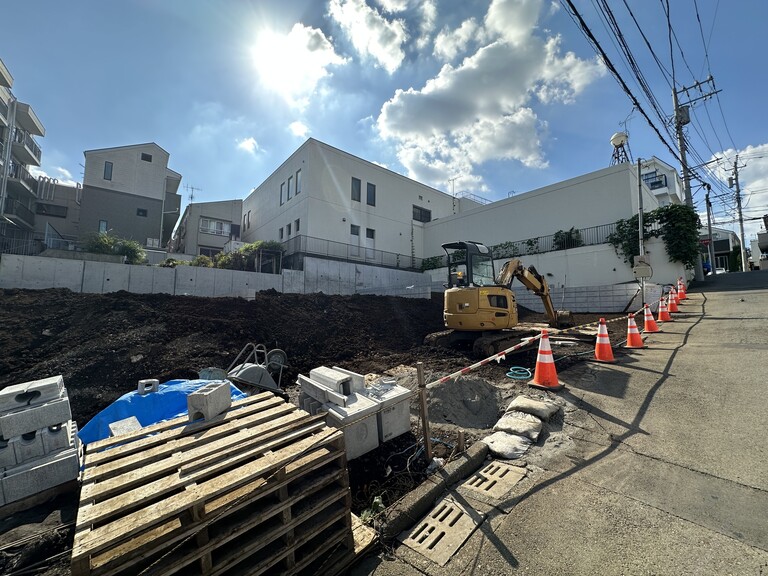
[476, 300]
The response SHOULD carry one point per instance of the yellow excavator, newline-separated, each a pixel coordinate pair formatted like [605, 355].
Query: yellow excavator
[479, 306]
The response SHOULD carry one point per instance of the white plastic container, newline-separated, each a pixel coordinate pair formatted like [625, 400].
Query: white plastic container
[359, 423]
[394, 415]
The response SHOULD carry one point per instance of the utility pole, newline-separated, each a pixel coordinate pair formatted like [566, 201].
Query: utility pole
[682, 117]
[732, 181]
[711, 246]
[640, 225]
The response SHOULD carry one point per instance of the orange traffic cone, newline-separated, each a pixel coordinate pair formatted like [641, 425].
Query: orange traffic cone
[663, 312]
[649, 324]
[545, 375]
[634, 340]
[673, 300]
[603, 350]
[681, 290]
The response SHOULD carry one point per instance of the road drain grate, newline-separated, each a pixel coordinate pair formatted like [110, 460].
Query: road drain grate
[442, 532]
[495, 479]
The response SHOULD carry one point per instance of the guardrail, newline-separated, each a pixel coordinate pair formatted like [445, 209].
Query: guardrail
[308, 245]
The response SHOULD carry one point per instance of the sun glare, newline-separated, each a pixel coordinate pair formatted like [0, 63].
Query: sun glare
[292, 64]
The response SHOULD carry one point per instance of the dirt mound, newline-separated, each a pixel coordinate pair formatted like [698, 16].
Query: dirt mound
[468, 401]
[103, 344]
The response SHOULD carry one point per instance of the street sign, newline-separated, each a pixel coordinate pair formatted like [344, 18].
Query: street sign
[642, 270]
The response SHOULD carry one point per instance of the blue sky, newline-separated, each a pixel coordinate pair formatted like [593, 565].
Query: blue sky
[480, 96]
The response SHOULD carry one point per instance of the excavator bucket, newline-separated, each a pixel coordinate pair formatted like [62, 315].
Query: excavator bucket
[563, 319]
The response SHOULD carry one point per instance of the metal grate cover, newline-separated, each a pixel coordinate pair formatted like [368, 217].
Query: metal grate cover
[495, 479]
[442, 532]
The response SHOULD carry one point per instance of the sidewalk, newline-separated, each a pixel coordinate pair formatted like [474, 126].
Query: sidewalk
[661, 466]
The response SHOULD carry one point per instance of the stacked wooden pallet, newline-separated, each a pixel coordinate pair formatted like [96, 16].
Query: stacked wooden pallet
[260, 488]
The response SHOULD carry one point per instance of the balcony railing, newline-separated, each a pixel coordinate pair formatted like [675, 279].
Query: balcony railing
[656, 182]
[15, 208]
[307, 245]
[18, 172]
[25, 138]
[3, 109]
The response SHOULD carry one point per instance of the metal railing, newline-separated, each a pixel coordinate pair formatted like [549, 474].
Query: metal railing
[18, 172]
[308, 245]
[15, 208]
[20, 247]
[23, 137]
[4, 109]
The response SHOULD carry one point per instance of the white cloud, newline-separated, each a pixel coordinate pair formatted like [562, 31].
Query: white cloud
[61, 175]
[293, 64]
[393, 6]
[249, 145]
[427, 25]
[299, 129]
[485, 108]
[450, 43]
[371, 34]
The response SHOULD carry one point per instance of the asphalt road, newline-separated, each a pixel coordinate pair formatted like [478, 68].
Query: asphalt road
[661, 466]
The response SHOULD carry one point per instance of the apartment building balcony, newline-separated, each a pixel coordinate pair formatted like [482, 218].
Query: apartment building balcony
[18, 213]
[20, 181]
[6, 80]
[25, 148]
[3, 114]
[26, 119]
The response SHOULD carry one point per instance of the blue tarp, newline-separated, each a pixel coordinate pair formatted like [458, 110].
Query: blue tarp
[170, 401]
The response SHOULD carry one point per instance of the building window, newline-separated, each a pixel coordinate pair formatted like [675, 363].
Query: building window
[235, 232]
[298, 184]
[208, 251]
[370, 233]
[141, 212]
[297, 223]
[107, 170]
[217, 227]
[51, 210]
[371, 200]
[421, 214]
[146, 157]
[290, 187]
[102, 226]
[354, 229]
[288, 229]
[282, 193]
[356, 187]
[249, 219]
[281, 233]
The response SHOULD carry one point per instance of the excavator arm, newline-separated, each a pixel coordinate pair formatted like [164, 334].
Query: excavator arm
[537, 284]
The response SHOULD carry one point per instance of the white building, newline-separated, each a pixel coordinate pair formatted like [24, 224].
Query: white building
[343, 206]
[19, 151]
[663, 180]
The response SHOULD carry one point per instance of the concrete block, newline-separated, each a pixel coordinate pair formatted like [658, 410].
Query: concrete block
[358, 380]
[58, 437]
[124, 426]
[27, 447]
[314, 407]
[7, 455]
[35, 418]
[41, 474]
[148, 386]
[209, 401]
[330, 378]
[321, 393]
[394, 415]
[31, 393]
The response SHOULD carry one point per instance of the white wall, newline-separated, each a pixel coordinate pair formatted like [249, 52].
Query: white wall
[598, 198]
[591, 266]
[130, 173]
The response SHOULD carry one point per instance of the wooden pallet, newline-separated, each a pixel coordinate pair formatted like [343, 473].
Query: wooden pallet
[260, 488]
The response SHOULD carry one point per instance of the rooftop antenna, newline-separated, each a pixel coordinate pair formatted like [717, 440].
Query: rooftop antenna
[191, 190]
[620, 143]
